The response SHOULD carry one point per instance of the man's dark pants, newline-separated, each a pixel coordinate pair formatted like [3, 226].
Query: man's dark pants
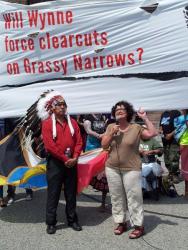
[57, 174]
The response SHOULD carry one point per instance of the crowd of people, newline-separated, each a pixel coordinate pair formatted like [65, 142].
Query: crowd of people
[133, 168]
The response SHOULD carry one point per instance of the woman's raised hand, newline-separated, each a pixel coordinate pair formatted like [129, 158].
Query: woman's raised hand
[142, 113]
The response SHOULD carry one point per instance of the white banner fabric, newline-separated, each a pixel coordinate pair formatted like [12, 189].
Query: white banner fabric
[87, 96]
[83, 38]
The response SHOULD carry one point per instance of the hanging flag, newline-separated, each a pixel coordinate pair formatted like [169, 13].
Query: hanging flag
[11, 154]
[89, 164]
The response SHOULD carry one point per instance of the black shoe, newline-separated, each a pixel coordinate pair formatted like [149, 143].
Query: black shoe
[51, 229]
[75, 226]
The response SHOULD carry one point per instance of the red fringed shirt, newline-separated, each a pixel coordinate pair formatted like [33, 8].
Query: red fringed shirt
[63, 140]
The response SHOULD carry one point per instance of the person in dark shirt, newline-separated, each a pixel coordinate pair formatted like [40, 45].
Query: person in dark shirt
[171, 147]
[94, 125]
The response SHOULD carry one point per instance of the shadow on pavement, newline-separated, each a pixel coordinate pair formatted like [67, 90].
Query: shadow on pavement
[164, 199]
[22, 211]
[152, 221]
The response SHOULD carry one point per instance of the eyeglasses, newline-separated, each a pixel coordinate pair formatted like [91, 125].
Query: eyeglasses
[60, 104]
[120, 109]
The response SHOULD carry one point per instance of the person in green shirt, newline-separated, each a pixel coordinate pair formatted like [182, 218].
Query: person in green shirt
[181, 135]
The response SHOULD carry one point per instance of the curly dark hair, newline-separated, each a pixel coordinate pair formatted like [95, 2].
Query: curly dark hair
[128, 107]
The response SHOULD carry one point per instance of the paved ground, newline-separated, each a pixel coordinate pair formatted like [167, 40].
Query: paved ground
[22, 225]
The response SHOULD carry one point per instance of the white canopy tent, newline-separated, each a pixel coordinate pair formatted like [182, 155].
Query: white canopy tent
[85, 96]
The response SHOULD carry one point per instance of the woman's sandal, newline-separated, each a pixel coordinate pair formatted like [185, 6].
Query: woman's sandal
[121, 228]
[136, 233]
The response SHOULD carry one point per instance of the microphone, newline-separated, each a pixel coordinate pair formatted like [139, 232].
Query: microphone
[117, 123]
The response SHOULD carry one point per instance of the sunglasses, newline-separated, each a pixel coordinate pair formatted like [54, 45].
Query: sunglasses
[61, 104]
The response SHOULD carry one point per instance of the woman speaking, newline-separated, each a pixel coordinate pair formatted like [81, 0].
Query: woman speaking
[123, 166]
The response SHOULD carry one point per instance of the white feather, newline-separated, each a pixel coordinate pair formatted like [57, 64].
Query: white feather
[41, 110]
[54, 130]
[70, 124]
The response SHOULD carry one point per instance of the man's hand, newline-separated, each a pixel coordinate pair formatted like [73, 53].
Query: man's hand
[71, 162]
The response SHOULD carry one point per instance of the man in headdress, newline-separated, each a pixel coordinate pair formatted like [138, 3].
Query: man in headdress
[63, 143]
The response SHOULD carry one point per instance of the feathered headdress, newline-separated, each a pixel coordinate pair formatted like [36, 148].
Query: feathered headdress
[44, 110]
[44, 104]
[30, 124]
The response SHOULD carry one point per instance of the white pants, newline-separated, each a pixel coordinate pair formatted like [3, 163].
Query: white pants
[147, 168]
[126, 192]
